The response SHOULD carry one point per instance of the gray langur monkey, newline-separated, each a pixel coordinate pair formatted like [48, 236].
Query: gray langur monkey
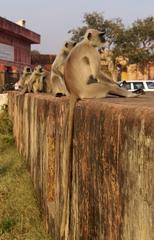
[27, 71]
[35, 81]
[45, 79]
[57, 71]
[83, 79]
[83, 64]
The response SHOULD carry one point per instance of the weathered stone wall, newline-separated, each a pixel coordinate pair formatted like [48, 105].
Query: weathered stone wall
[112, 186]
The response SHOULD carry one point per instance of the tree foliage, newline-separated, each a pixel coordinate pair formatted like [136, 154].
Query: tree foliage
[135, 42]
[96, 21]
[35, 52]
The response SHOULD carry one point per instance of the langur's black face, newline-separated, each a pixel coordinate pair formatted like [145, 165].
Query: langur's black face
[95, 37]
[41, 70]
[28, 70]
[101, 37]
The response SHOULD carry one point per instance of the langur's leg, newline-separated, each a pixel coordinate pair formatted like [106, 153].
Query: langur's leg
[100, 90]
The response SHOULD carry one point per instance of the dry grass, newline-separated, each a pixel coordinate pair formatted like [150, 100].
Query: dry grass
[19, 213]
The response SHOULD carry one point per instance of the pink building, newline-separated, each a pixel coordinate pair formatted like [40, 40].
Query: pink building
[15, 49]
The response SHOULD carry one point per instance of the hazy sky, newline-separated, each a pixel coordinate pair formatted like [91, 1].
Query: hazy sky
[53, 19]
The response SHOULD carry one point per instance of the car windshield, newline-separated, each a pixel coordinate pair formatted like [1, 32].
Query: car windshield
[138, 85]
[150, 85]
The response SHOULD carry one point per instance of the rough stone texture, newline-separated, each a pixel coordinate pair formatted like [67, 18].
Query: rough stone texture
[112, 186]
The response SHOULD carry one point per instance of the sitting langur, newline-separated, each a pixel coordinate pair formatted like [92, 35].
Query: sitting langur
[24, 78]
[57, 71]
[35, 83]
[45, 79]
[84, 79]
[83, 63]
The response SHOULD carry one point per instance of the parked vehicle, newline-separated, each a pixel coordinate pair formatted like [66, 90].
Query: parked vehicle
[132, 85]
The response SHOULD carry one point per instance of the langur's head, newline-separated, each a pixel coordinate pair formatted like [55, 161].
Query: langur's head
[38, 69]
[36, 77]
[27, 70]
[95, 37]
[68, 46]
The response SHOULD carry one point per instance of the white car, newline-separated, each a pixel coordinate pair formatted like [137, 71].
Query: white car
[132, 85]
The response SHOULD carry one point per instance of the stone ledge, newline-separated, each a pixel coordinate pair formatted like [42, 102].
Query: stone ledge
[112, 163]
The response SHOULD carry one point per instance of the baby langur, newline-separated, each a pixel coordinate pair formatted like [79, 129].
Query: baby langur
[57, 72]
[83, 79]
[24, 78]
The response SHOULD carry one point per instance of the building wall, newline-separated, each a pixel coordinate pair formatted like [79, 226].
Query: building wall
[45, 60]
[151, 70]
[21, 51]
[21, 56]
[15, 51]
[134, 72]
[7, 26]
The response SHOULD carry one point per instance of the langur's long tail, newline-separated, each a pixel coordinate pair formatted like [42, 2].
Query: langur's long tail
[67, 168]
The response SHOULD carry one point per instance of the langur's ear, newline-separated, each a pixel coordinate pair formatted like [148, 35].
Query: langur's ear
[74, 44]
[66, 44]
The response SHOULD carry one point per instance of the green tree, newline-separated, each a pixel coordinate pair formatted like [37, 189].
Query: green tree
[97, 21]
[35, 52]
[137, 43]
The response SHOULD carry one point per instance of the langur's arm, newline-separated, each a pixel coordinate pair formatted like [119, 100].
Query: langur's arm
[104, 77]
[57, 69]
